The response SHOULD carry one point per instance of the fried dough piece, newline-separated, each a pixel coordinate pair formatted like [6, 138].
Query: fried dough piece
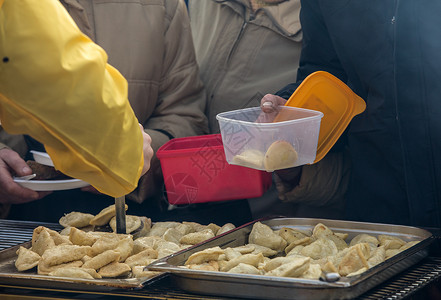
[249, 259]
[75, 219]
[71, 272]
[65, 231]
[242, 268]
[390, 242]
[114, 269]
[56, 237]
[294, 268]
[144, 243]
[105, 215]
[293, 250]
[268, 252]
[44, 269]
[263, 235]
[194, 238]
[313, 272]
[280, 155]
[358, 272]
[277, 262]
[184, 229]
[81, 238]
[321, 230]
[338, 241]
[408, 245]
[227, 227]
[377, 256]
[231, 253]
[132, 223]
[63, 254]
[139, 272]
[172, 235]
[251, 158]
[207, 266]
[215, 228]
[104, 243]
[392, 252]
[41, 240]
[247, 248]
[321, 248]
[355, 259]
[301, 242]
[329, 267]
[125, 247]
[144, 229]
[196, 227]
[365, 238]
[102, 259]
[159, 228]
[291, 235]
[204, 256]
[142, 258]
[27, 259]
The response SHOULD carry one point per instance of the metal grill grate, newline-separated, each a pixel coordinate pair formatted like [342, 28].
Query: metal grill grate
[17, 232]
[408, 282]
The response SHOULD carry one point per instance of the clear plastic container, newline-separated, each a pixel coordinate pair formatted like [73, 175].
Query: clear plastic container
[270, 141]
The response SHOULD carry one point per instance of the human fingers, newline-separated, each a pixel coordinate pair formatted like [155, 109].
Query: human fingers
[147, 150]
[269, 103]
[10, 159]
[11, 192]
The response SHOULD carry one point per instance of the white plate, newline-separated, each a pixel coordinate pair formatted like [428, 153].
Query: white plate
[51, 185]
[42, 158]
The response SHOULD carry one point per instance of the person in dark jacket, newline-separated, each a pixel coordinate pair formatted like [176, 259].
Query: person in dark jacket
[389, 53]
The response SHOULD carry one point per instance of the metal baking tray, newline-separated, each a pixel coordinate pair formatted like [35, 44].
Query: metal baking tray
[9, 275]
[270, 287]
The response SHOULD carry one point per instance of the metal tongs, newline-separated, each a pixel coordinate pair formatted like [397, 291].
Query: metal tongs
[120, 207]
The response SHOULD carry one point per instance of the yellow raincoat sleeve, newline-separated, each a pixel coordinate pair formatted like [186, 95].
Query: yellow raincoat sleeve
[56, 86]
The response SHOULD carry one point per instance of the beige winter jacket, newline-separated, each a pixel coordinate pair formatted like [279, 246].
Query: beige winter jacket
[150, 43]
[242, 54]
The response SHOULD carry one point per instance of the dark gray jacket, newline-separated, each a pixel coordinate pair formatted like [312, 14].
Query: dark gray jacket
[389, 53]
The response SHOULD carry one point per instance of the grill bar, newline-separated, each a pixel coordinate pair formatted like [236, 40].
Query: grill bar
[14, 232]
[408, 282]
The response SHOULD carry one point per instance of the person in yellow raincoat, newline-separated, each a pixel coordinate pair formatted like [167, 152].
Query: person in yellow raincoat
[56, 86]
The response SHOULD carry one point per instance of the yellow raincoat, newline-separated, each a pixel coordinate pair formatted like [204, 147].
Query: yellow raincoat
[56, 86]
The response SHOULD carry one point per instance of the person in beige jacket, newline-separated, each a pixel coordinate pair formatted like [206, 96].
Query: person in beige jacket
[150, 43]
[247, 49]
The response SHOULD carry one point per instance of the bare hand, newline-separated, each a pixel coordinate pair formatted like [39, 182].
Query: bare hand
[270, 107]
[147, 150]
[270, 103]
[11, 192]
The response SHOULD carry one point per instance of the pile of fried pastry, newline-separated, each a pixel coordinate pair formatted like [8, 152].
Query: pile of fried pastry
[289, 252]
[80, 251]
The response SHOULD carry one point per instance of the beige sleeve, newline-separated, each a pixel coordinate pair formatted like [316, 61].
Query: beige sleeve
[13, 141]
[180, 109]
[321, 184]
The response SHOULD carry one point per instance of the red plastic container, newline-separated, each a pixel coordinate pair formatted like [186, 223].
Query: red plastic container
[195, 171]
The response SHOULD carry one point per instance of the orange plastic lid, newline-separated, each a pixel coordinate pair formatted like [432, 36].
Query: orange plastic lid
[326, 93]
